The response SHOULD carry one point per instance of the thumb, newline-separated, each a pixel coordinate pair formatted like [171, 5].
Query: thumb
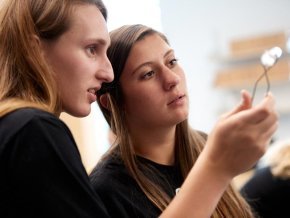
[245, 103]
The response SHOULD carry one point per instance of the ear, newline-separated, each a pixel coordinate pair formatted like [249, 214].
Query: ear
[37, 43]
[35, 40]
[104, 100]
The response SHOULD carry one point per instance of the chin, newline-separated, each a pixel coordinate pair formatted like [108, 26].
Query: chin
[178, 119]
[85, 113]
[181, 120]
[79, 112]
[183, 114]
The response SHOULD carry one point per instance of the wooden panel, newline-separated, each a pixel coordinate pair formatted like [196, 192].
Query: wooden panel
[258, 44]
[243, 76]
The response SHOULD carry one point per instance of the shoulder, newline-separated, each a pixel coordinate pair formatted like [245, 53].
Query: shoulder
[202, 134]
[108, 167]
[21, 119]
[27, 113]
[33, 132]
[109, 172]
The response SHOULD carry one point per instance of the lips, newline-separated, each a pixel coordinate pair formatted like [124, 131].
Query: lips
[176, 99]
[93, 90]
[93, 94]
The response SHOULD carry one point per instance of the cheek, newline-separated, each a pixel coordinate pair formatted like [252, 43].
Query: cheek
[74, 71]
[141, 98]
[71, 77]
[69, 61]
[131, 103]
[142, 104]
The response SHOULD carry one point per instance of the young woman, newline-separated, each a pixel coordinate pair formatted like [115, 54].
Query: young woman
[147, 107]
[52, 59]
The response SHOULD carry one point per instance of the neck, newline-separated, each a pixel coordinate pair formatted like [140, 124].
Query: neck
[155, 144]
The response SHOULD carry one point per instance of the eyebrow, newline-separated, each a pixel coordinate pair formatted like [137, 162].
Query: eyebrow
[149, 62]
[99, 41]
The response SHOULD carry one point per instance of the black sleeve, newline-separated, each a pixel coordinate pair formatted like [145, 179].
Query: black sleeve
[47, 174]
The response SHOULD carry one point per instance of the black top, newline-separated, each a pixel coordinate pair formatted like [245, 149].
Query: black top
[121, 194]
[268, 195]
[41, 170]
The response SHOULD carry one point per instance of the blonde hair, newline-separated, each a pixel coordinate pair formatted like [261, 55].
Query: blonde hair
[26, 80]
[280, 161]
[188, 142]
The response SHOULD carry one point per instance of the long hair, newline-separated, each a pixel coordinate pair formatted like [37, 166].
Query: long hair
[26, 80]
[188, 142]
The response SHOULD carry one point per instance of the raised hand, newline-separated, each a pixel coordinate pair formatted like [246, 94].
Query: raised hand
[241, 137]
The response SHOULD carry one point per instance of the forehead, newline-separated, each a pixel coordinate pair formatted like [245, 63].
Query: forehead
[87, 20]
[149, 48]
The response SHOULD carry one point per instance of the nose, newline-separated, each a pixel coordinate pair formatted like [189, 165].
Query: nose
[171, 79]
[106, 73]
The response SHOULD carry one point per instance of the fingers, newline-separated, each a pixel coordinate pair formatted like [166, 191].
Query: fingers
[269, 133]
[247, 99]
[264, 109]
[268, 99]
[239, 140]
[269, 125]
[260, 112]
[262, 120]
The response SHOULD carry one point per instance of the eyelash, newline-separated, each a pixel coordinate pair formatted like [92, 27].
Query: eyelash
[148, 74]
[92, 49]
[173, 62]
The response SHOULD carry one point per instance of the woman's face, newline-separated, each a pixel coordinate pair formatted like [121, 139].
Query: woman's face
[79, 60]
[153, 85]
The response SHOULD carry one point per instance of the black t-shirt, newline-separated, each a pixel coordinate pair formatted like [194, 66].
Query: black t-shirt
[268, 195]
[121, 194]
[41, 170]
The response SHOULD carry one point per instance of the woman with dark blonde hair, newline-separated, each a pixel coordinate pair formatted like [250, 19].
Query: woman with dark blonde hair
[157, 157]
[52, 60]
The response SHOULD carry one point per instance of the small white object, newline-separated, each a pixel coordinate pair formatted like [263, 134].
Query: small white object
[270, 57]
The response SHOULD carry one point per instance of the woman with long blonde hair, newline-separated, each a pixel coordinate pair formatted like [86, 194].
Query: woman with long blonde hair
[157, 158]
[52, 60]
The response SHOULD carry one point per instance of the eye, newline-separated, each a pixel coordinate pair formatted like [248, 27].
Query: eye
[173, 62]
[92, 50]
[148, 75]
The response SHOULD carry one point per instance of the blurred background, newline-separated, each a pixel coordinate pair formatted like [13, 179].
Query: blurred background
[219, 44]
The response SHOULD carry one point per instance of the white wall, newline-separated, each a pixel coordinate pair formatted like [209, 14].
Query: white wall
[197, 29]
[132, 12]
